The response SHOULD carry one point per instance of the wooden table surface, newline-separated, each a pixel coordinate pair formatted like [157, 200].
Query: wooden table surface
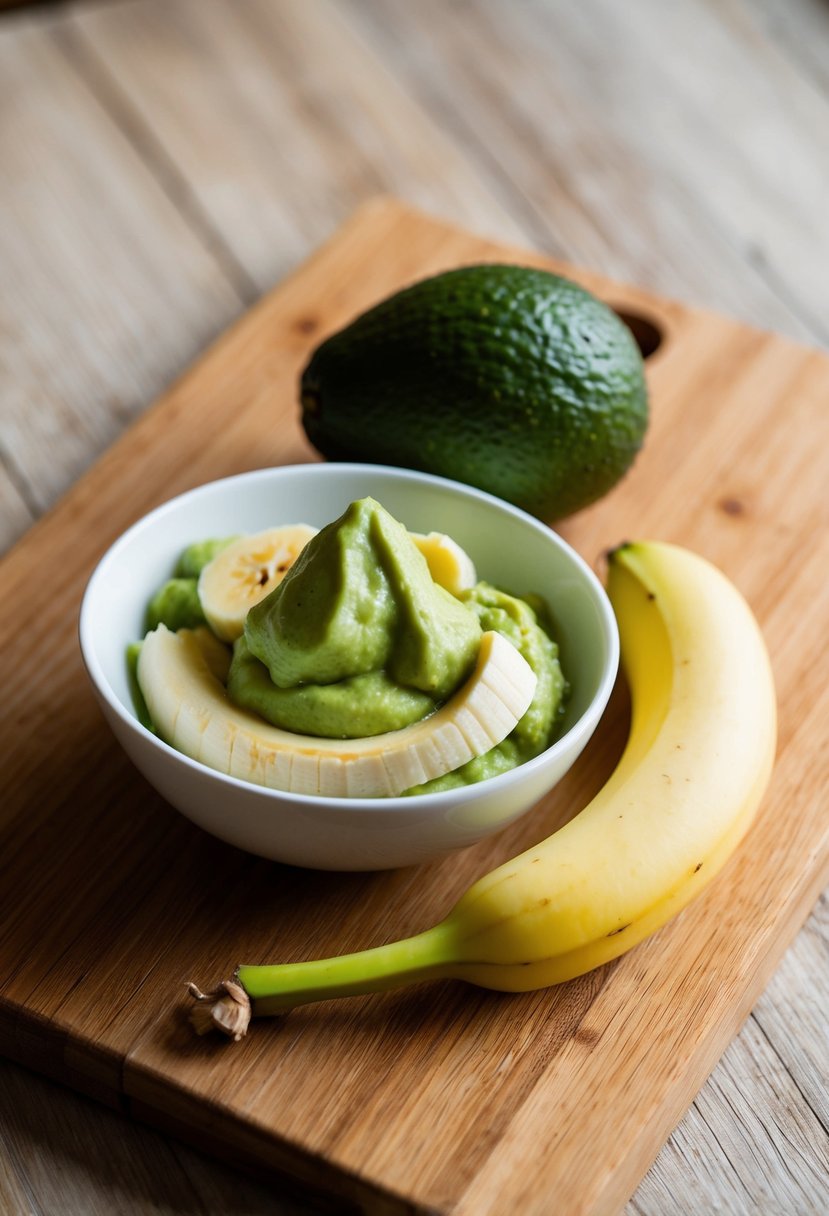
[163, 162]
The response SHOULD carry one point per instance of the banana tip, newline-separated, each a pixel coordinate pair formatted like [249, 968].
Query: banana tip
[610, 553]
[607, 556]
[227, 1009]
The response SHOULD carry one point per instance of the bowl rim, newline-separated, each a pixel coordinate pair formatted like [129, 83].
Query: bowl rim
[459, 795]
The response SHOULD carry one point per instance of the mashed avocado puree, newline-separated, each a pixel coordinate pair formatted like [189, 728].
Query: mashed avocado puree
[358, 640]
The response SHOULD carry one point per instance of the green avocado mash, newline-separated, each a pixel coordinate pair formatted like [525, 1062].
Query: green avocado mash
[176, 604]
[517, 621]
[358, 640]
[196, 556]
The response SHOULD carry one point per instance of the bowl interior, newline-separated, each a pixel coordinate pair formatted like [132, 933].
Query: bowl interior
[508, 548]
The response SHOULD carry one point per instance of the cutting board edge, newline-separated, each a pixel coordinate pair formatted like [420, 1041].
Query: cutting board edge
[616, 292]
[673, 1108]
[195, 1122]
[44, 1047]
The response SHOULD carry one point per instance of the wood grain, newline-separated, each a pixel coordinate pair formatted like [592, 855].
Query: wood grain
[764, 1178]
[16, 514]
[435, 1099]
[336, 113]
[81, 355]
[800, 33]
[611, 179]
[50, 1137]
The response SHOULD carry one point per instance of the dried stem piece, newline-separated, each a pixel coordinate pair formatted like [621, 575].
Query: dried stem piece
[227, 1009]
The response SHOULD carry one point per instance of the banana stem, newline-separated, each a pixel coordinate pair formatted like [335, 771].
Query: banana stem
[266, 990]
[274, 989]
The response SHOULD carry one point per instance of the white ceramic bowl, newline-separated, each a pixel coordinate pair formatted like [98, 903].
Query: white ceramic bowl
[509, 548]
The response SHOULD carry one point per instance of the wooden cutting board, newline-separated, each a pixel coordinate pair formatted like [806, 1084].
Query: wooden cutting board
[444, 1098]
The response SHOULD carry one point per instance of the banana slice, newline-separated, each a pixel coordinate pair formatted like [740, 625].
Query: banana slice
[216, 654]
[190, 708]
[449, 564]
[245, 572]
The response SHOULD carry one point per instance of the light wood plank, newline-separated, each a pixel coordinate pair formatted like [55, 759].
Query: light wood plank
[792, 1012]
[613, 180]
[748, 1149]
[750, 133]
[801, 32]
[108, 295]
[787, 1040]
[15, 513]
[78, 1161]
[279, 120]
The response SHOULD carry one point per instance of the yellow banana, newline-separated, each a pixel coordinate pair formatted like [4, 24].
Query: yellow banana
[449, 564]
[696, 764]
[244, 572]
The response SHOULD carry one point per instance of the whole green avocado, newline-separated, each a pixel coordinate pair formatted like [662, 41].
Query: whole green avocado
[511, 379]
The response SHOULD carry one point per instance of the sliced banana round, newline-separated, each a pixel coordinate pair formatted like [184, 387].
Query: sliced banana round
[449, 564]
[245, 572]
[191, 710]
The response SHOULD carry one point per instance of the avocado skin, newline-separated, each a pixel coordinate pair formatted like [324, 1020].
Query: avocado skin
[509, 378]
